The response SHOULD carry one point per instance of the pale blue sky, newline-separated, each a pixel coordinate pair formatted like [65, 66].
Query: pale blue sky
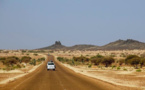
[30, 24]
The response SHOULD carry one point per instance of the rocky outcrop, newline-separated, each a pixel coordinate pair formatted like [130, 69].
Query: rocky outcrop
[129, 44]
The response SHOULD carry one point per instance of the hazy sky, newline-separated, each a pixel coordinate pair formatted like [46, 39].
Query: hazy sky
[30, 24]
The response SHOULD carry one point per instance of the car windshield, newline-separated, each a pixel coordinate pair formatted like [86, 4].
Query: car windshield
[50, 63]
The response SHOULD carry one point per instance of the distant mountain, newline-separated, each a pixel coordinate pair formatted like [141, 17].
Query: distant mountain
[124, 44]
[56, 46]
[129, 44]
[82, 47]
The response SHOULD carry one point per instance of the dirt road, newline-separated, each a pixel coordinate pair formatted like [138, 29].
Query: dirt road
[61, 79]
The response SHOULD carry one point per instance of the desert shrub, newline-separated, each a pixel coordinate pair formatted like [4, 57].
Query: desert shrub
[16, 66]
[35, 54]
[77, 63]
[96, 60]
[71, 62]
[124, 69]
[122, 55]
[107, 61]
[128, 58]
[41, 59]
[4, 68]
[10, 61]
[138, 70]
[90, 65]
[97, 56]
[118, 68]
[33, 62]
[112, 55]
[87, 55]
[25, 59]
[133, 60]
[113, 66]
[142, 62]
[23, 51]
[81, 59]
[60, 58]
[2, 58]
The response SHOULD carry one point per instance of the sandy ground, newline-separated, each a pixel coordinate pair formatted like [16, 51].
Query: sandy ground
[8, 76]
[122, 78]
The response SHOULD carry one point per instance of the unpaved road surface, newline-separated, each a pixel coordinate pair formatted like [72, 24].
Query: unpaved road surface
[61, 79]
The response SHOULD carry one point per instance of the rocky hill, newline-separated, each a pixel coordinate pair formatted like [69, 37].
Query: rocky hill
[56, 46]
[124, 44]
[117, 45]
[82, 47]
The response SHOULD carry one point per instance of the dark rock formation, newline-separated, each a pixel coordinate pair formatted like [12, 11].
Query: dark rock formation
[129, 44]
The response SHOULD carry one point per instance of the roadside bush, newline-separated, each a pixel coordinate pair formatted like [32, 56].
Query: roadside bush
[142, 62]
[60, 58]
[33, 62]
[138, 70]
[97, 56]
[113, 66]
[90, 65]
[96, 60]
[25, 59]
[133, 60]
[2, 58]
[41, 59]
[16, 66]
[124, 69]
[108, 61]
[35, 54]
[81, 59]
[10, 61]
[130, 57]
[118, 68]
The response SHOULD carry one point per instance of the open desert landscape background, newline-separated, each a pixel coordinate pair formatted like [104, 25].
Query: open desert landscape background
[72, 44]
[17, 63]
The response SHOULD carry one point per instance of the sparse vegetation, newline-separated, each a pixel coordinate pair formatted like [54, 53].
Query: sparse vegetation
[25, 59]
[35, 54]
[106, 61]
[138, 70]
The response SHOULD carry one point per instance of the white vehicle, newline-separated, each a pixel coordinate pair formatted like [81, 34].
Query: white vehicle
[51, 66]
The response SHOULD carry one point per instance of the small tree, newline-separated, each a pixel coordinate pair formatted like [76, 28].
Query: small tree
[108, 61]
[60, 58]
[2, 59]
[11, 61]
[142, 62]
[97, 56]
[81, 59]
[33, 62]
[96, 61]
[135, 62]
[130, 57]
[25, 59]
